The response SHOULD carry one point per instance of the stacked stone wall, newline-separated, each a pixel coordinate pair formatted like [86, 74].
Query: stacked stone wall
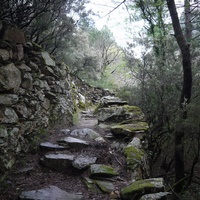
[35, 92]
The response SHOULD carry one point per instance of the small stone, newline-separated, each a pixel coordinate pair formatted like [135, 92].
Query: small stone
[83, 162]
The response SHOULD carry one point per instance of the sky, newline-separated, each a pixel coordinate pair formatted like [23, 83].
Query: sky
[114, 21]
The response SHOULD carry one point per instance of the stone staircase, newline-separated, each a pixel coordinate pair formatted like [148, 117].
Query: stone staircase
[106, 158]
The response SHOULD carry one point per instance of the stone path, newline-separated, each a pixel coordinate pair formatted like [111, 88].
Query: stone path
[94, 161]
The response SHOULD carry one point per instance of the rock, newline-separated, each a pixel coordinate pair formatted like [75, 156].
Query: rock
[90, 184]
[155, 196]
[11, 33]
[85, 133]
[10, 77]
[4, 54]
[47, 146]
[111, 100]
[138, 188]
[3, 132]
[27, 81]
[46, 104]
[8, 115]
[129, 130]
[74, 142]
[58, 162]
[23, 111]
[98, 170]
[134, 157]
[105, 186]
[47, 59]
[65, 131]
[8, 99]
[49, 193]
[82, 162]
[119, 113]
[135, 142]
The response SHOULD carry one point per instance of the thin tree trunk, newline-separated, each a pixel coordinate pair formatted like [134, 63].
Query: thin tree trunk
[185, 94]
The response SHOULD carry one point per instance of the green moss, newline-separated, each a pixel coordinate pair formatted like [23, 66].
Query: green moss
[134, 109]
[133, 156]
[81, 105]
[136, 189]
[129, 129]
[76, 117]
[102, 170]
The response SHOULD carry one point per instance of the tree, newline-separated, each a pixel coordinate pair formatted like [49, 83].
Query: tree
[48, 22]
[104, 43]
[186, 89]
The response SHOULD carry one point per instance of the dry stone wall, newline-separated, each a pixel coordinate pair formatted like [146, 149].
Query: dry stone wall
[35, 92]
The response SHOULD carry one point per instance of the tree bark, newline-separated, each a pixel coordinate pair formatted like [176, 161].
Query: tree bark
[185, 94]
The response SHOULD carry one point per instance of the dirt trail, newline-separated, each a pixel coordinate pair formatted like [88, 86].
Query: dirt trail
[29, 174]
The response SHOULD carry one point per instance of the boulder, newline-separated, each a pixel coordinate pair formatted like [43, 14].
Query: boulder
[49, 193]
[139, 188]
[115, 114]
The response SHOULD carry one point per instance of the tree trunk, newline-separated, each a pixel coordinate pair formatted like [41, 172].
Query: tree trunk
[185, 94]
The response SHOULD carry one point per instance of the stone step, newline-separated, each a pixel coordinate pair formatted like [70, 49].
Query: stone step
[74, 142]
[59, 162]
[49, 193]
[47, 146]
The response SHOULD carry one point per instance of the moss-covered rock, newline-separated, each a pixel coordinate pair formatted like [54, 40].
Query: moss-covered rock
[129, 130]
[138, 188]
[134, 157]
[119, 113]
[98, 170]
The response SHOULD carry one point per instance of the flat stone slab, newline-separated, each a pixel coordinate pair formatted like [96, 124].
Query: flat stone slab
[83, 162]
[156, 196]
[49, 193]
[58, 162]
[98, 170]
[47, 146]
[129, 129]
[74, 142]
[105, 186]
[138, 188]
